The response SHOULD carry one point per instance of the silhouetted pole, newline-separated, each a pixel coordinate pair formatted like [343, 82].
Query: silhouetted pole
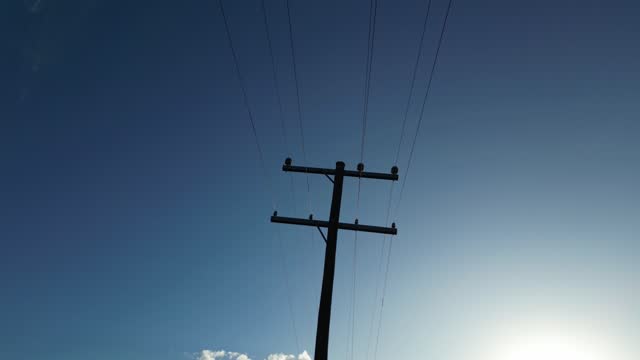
[324, 312]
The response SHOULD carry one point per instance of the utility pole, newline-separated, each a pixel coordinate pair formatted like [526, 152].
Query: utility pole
[333, 225]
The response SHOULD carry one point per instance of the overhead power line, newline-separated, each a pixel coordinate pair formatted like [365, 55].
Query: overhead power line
[276, 84]
[246, 100]
[379, 273]
[260, 153]
[299, 104]
[373, 11]
[420, 119]
[424, 102]
[413, 81]
[402, 132]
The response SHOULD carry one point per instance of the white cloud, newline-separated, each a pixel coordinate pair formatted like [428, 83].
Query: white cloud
[280, 356]
[220, 354]
[232, 355]
[210, 355]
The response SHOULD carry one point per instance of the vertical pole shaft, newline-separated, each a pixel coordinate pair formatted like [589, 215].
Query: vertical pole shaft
[324, 313]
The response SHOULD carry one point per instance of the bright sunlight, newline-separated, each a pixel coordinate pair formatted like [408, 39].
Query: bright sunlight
[551, 345]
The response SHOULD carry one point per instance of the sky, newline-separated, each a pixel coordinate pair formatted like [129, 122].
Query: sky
[134, 216]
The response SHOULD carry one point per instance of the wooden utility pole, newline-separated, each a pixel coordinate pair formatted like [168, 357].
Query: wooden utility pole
[333, 225]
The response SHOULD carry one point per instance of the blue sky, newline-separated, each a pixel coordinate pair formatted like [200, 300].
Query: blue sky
[134, 217]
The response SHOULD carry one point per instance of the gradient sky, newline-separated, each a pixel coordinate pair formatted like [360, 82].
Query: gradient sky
[134, 216]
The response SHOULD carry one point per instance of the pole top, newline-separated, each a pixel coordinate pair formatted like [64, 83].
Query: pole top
[340, 165]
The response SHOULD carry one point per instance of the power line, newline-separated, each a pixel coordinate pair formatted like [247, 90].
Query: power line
[288, 151]
[275, 78]
[260, 153]
[299, 105]
[404, 121]
[413, 81]
[424, 102]
[386, 273]
[246, 100]
[384, 283]
[384, 289]
[351, 317]
[373, 10]
[380, 264]
[276, 83]
[288, 291]
[351, 313]
[299, 111]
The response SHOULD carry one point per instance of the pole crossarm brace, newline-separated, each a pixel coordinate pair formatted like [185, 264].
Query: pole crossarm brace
[342, 226]
[321, 233]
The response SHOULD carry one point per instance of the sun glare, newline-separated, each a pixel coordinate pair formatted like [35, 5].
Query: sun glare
[548, 348]
[551, 345]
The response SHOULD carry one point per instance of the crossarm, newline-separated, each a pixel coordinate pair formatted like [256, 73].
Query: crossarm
[350, 173]
[343, 226]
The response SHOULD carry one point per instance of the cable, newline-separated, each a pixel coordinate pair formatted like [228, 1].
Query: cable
[404, 122]
[275, 78]
[424, 102]
[384, 283]
[373, 10]
[405, 116]
[384, 289]
[299, 109]
[288, 291]
[351, 316]
[295, 77]
[355, 269]
[261, 156]
[380, 264]
[413, 81]
[386, 273]
[246, 101]
[278, 95]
